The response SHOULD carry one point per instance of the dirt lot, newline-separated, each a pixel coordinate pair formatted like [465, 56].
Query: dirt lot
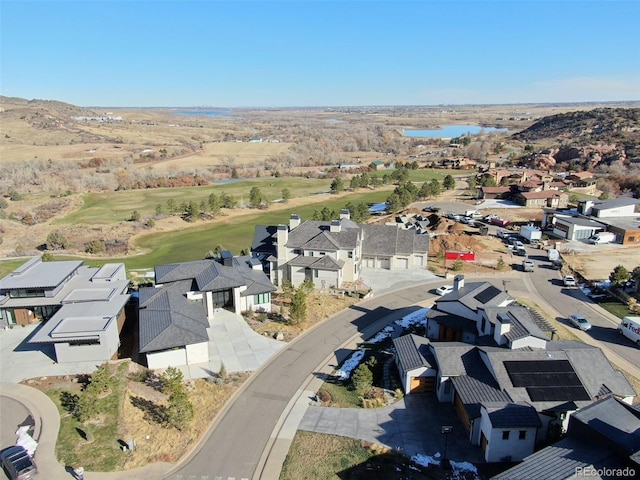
[596, 262]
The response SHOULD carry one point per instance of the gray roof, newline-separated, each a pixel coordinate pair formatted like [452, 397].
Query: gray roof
[512, 415]
[38, 274]
[614, 421]
[255, 280]
[84, 320]
[578, 220]
[168, 319]
[306, 235]
[594, 369]
[413, 352]
[324, 262]
[449, 357]
[521, 321]
[389, 240]
[615, 203]
[588, 362]
[264, 240]
[560, 461]
[454, 321]
[208, 275]
[472, 296]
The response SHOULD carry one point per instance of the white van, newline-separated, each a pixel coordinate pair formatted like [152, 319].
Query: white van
[630, 328]
[602, 237]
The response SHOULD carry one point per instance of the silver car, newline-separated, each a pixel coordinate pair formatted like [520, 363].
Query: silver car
[579, 321]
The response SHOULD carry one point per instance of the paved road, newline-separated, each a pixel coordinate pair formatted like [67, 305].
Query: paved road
[236, 443]
[547, 284]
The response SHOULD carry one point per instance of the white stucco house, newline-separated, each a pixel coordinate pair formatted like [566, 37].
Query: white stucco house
[81, 309]
[175, 314]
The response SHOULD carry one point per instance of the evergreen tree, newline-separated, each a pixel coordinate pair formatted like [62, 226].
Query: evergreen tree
[362, 379]
[298, 309]
[286, 195]
[337, 185]
[448, 182]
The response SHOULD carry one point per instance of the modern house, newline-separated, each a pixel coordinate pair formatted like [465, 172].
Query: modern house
[510, 400]
[543, 198]
[604, 436]
[478, 312]
[175, 314]
[333, 253]
[81, 308]
[619, 216]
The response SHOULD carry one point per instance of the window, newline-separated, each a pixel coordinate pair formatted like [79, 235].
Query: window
[505, 434]
[350, 254]
[322, 254]
[315, 273]
[522, 434]
[483, 325]
[311, 254]
[261, 298]
[447, 387]
[632, 239]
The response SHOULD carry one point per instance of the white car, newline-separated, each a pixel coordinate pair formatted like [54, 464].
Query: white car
[444, 289]
[569, 281]
[580, 322]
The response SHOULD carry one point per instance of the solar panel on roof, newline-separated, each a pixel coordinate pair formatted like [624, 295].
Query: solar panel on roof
[487, 294]
[547, 380]
[556, 394]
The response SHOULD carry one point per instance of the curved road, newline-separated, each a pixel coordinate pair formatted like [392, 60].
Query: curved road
[242, 432]
[235, 444]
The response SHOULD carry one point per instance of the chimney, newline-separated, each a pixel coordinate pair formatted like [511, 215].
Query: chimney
[345, 213]
[335, 226]
[458, 282]
[282, 237]
[294, 221]
[227, 258]
[546, 185]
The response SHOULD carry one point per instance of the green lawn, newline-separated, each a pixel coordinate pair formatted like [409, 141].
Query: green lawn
[619, 309]
[112, 207]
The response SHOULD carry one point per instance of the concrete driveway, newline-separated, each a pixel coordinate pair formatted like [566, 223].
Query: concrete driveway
[394, 426]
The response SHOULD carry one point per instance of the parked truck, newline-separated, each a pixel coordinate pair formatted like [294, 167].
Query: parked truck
[602, 237]
[553, 255]
[531, 234]
[630, 328]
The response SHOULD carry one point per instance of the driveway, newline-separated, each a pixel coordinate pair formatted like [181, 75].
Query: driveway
[394, 426]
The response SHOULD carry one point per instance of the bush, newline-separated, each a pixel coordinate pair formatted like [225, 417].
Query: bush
[457, 266]
[362, 378]
[99, 382]
[56, 240]
[96, 246]
[324, 397]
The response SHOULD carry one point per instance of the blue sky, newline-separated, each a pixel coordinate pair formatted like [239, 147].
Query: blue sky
[319, 53]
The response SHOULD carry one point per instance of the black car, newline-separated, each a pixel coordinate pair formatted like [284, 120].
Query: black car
[431, 209]
[18, 463]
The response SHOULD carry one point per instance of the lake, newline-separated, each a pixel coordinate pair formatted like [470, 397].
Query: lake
[451, 131]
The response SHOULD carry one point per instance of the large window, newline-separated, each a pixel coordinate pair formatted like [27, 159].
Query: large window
[222, 299]
[261, 298]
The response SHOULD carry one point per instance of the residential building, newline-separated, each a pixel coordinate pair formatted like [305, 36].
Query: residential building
[511, 400]
[174, 315]
[602, 436]
[82, 309]
[333, 253]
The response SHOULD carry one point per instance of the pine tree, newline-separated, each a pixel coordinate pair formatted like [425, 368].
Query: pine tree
[298, 309]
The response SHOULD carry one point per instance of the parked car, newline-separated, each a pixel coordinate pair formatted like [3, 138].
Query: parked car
[528, 265]
[431, 209]
[579, 321]
[444, 289]
[569, 281]
[18, 464]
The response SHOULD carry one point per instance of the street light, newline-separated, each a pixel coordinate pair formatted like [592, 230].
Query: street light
[446, 430]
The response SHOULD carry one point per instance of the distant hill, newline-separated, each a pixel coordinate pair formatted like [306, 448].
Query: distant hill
[588, 139]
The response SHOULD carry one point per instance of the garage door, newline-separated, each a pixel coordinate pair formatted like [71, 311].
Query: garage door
[423, 384]
[369, 262]
[385, 263]
[403, 263]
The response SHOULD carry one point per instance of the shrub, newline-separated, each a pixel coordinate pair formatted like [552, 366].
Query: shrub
[99, 382]
[362, 378]
[324, 397]
[457, 266]
[96, 246]
[56, 240]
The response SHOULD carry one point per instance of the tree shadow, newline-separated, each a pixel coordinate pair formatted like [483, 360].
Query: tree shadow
[152, 412]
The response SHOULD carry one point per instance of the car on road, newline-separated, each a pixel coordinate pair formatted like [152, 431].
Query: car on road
[528, 265]
[579, 321]
[431, 209]
[444, 289]
[17, 463]
[569, 281]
